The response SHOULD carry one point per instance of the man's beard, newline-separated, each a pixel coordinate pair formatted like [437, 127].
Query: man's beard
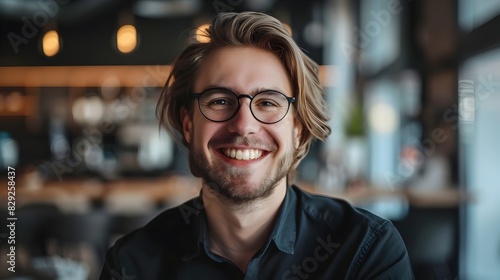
[231, 183]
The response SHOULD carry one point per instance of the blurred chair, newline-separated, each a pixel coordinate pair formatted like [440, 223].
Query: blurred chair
[32, 235]
[32, 225]
[82, 237]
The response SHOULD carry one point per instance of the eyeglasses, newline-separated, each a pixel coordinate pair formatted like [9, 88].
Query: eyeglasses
[221, 104]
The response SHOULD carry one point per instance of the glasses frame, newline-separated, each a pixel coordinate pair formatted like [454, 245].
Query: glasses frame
[197, 96]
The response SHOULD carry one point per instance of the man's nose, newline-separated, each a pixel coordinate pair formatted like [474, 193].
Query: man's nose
[244, 122]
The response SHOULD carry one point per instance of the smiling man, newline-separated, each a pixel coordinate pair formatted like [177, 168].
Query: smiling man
[240, 138]
[247, 105]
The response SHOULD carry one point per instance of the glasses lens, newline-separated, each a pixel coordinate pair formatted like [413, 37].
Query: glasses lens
[269, 106]
[218, 104]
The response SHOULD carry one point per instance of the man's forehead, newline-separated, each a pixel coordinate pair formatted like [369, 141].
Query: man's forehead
[246, 69]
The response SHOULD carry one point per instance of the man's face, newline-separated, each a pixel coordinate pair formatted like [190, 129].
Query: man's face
[241, 159]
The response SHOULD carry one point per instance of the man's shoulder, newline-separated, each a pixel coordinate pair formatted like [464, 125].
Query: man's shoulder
[371, 242]
[169, 230]
[336, 212]
[158, 246]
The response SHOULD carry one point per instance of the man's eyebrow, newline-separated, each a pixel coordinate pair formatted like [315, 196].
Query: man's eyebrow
[211, 86]
[261, 89]
[266, 89]
[238, 92]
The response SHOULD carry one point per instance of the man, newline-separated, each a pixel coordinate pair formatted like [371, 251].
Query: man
[247, 105]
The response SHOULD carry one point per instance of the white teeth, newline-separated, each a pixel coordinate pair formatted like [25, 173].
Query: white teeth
[246, 154]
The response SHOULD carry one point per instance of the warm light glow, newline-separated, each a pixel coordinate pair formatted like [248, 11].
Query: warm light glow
[126, 38]
[110, 87]
[2, 102]
[93, 76]
[383, 118]
[14, 101]
[201, 35]
[50, 43]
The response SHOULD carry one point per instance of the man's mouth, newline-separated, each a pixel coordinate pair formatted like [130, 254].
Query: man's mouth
[242, 154]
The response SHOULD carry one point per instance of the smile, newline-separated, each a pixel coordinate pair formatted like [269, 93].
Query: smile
[242, 154]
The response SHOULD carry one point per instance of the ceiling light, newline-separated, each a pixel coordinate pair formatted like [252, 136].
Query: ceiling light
[126, 39]
[50, 43]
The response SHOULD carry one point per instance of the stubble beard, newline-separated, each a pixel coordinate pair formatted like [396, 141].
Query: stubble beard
[232, 183]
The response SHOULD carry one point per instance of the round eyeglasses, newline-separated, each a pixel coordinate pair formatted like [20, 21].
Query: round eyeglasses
[221, 104]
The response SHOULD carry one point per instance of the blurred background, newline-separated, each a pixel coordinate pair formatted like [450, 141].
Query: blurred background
[413, 89]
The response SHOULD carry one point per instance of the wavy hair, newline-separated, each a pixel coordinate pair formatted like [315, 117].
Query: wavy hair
[256, 30]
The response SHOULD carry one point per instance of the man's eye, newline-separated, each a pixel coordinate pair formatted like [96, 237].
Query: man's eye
[267, 103]
[219, 102]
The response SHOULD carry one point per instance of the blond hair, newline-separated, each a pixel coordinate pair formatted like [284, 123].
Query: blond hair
[256, 30]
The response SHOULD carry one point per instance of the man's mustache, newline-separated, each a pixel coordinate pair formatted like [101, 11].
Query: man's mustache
[238, 140]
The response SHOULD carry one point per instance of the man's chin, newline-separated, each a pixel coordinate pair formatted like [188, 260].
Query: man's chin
[240, 197]
[238, 191]
[238, 185]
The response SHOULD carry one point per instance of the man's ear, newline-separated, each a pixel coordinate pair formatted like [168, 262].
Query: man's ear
[297, 133]
[187, 124]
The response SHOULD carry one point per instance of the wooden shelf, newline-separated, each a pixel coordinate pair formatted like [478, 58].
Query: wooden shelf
[98, 76]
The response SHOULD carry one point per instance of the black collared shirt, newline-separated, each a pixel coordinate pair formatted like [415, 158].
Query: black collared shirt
[314, 237]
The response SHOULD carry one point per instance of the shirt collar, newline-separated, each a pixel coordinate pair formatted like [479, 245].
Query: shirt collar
[285, 229]
[284, 232]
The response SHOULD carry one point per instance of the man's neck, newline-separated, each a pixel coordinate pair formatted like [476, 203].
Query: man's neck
[237, 232]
